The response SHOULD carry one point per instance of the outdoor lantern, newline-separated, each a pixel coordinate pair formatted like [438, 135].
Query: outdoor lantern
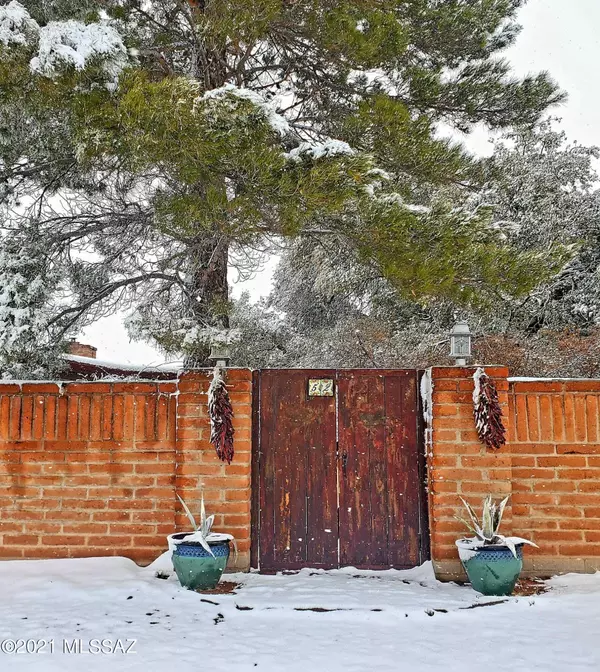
[460, 343]
[220, 354]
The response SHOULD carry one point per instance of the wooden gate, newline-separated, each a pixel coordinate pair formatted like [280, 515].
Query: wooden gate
[338, 470]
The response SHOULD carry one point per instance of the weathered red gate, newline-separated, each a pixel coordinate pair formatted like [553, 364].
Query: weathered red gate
[338, 470]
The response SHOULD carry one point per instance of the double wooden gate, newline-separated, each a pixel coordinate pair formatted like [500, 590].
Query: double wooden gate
[338, 470]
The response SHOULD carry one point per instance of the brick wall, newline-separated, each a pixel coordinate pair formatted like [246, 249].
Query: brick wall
[550, 467]
[93, 468]
[226, 487]
[555, 447]
[458, 464]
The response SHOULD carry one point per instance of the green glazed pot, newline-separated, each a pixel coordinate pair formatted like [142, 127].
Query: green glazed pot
[492, 570]
[196, 569]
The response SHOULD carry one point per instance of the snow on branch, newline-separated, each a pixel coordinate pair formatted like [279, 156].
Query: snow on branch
[277, 121]
[75, 43]
[16, 24]
[319, 150]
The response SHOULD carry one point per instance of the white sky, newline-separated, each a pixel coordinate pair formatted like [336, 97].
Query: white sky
[558, 36]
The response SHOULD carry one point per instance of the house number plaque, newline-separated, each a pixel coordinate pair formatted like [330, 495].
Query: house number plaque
[320, 387]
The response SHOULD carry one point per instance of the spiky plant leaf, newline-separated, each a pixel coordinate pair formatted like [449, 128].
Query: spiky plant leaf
[507, 541]
[207, 524]
[471, 512]
[199, 537]
[202, 511]
[487, 519]
[470, 526]
[188, 513]
[500, 513]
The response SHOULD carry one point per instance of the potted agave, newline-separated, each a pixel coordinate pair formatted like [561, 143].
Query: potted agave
[199, 557]
[492, 561]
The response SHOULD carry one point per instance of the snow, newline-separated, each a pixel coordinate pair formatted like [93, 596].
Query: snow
[269, 623]
[319, 150]
[16, 24]
[277, 121]
[138, 368]
[411, 207]
[75, 43]
[426, 390]
[477, 387]
[467, 548]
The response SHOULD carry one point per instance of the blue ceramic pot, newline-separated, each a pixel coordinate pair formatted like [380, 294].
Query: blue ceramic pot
[493, 569]
[196, 568]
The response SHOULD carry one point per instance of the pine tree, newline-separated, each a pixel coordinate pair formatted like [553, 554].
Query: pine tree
[153, 143]
[327, 309]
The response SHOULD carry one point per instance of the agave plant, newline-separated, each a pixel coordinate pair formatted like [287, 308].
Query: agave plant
[486, 530]
[201, 531]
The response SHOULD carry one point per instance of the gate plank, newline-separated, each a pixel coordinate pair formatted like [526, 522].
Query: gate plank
[363, 533]
[403, 470]
[321, 491]
[297, 473]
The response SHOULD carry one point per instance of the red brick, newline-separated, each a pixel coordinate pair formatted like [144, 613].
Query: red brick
[533, 498]
[583, 386]
[85, 528]
[461, 474]
[153, 540]
[585, 499]
[579, 550]
[533, 473]
[534, 449]
[84, 417]
[109, 540]
[38, 418]
[591, 402]
[486, 487]
[107, 417]
[534, 386]
[560, 511]
[558, 535]
[132, 388]
[554, 486]
[446, 385]
[569, 414]
[558, 418]
[578, 448]
[20, 539]
[580, 419]
[561, 461]
[579, 524]
[14, 431]
[525, 461]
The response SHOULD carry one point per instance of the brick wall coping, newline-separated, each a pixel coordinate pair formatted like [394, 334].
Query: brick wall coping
[526, 379]
[108, 381]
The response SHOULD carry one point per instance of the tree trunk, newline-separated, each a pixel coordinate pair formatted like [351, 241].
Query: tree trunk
[208, 297]
[208, 259]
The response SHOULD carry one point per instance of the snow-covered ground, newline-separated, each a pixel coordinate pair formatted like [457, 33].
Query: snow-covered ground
[380, 620]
